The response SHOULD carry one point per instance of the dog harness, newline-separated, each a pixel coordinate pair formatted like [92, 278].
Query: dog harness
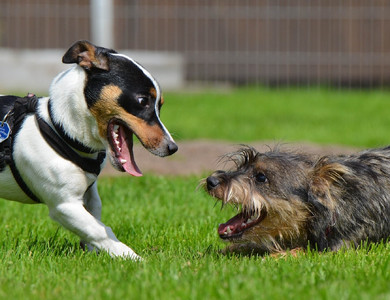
[13, 111]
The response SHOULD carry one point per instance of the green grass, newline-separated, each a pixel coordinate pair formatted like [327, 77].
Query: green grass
[327, 116]
[173, 227]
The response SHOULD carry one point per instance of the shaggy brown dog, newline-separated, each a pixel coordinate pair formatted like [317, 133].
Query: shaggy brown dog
[290, 200]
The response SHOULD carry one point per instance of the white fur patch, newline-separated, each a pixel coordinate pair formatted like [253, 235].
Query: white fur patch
[70, 108]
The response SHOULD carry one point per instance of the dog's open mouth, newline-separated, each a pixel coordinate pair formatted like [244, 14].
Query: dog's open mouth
[235, 227]
[120, 138]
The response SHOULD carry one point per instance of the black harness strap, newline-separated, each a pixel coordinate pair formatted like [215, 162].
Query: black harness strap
[63, 149]
[62, 133]
[21, 182]
[22, 107]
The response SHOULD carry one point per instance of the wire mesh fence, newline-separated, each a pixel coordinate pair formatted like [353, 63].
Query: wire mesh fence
[271, 42]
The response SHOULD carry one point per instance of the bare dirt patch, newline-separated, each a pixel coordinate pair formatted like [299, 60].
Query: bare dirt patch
[203, 156]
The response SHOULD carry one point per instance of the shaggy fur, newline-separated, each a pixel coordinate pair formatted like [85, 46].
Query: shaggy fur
[290, 200]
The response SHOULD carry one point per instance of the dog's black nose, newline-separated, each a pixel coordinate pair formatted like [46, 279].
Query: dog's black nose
[172, 148]
[212, 182]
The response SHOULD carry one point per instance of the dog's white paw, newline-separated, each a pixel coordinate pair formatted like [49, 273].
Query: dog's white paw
[133, 256]
[118, 249]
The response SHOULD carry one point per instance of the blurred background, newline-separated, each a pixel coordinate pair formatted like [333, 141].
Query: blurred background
[210, 42]
[310, 72]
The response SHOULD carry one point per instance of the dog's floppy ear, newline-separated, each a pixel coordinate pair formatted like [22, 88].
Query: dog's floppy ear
[327, 181]
[87, 56]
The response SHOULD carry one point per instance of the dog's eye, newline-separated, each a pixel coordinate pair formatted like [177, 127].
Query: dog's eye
[260, 177]
[143, 101]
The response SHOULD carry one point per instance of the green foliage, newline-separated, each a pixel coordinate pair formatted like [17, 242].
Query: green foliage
[173, 226]
[326, 116]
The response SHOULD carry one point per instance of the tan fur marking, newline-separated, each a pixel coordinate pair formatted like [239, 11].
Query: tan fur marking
[110, 92]
[106, 107]
[154, 94]
[150, 136]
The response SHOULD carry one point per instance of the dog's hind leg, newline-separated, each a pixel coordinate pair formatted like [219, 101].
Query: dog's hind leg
[93, 204]
[74, 217]
[92, 201]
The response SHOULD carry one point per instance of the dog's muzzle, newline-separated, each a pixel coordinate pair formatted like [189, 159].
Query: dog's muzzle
[167, 147]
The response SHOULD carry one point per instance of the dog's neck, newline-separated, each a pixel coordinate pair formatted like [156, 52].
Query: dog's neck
[69, 108]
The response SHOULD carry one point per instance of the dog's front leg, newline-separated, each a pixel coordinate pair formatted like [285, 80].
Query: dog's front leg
[74, 217]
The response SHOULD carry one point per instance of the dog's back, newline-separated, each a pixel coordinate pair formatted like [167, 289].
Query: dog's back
[355, 204]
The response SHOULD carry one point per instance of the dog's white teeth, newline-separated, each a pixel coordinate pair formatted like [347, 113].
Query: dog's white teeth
[123, 161]
[117, 142]
[253, 218]
[228, 230]
[250, 220]
[116, 128]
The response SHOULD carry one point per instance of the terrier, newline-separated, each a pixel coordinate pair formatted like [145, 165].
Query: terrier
[292, 200]
[52, 149]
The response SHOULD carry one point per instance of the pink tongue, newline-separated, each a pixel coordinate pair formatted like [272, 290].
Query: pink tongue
[127, 154]
[234, 223]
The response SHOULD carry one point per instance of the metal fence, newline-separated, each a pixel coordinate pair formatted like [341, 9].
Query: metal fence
[342, 42]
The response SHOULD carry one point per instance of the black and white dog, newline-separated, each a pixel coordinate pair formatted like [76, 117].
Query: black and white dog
[94, 108]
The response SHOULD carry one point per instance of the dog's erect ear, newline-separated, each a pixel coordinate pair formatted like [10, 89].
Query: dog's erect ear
[86, 56]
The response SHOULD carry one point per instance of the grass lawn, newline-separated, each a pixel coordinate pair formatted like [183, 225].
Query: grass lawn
[327, 116]
[173, 225]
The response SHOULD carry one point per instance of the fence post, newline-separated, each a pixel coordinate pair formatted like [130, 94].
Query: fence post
[102, 22]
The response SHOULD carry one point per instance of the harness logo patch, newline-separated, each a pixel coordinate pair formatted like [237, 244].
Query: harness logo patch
[4, 131]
